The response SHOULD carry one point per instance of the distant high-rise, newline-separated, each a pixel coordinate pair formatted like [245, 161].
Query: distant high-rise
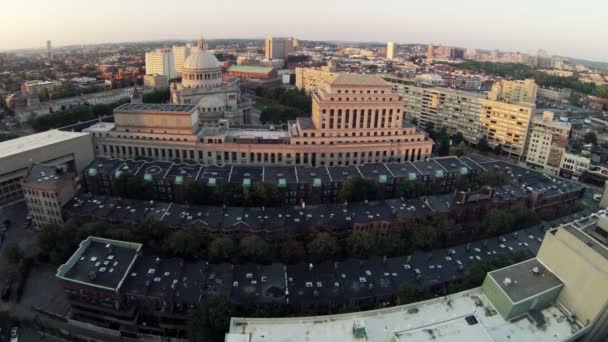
[430, 53]
[49, 55]
[390, 50]
[279, 47]
[160, 62]
[495, 55]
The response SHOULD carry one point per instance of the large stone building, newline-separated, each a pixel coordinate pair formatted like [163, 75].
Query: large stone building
[58, 148]
[472, 114]
[203, 86]
[514, 91]
[547, 143]
[356, 119]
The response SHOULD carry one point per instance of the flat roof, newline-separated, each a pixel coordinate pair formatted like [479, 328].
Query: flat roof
[523, 282]
[440, 319]
[250, 68]
[352, 79]
[154, 107]
[35, 141]
[42, 175]
[101, 263]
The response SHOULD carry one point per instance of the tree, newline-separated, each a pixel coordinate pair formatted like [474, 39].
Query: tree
[264, 194]
[590, 138]
[357, 189]
[457, 138]
[415, 121]
[459, 152]
[221, 250]
[184, 244]
[254, 248]
[498, 222]
[482, 144]
[12, 252]
[323, 247]
[444, 144]
[478, 269]
[43, 94]
[157, 96]
[498, 149]
[361, 244]
[410, 294]
[129, 186]
[424, 236]
[211, 320]
[292, 252]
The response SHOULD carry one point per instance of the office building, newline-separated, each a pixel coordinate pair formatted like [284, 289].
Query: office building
[547, 142]
[47, 189]
[495, 55]
[430, 53]
[160, 62]
[278, 47]
[49, 54]
[180, 54]
[71, 150]
[557, 95]
[156, 81]
[574, 165]
[514, 91]
[469, 113]
[311, 79]
[390, 50]
[356, 119]
[253, 72]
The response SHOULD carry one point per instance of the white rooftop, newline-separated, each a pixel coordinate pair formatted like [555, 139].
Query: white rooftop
[100, 127]
[440, 319]
[35, 141]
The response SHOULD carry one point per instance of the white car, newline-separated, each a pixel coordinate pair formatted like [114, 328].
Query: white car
[14, 334]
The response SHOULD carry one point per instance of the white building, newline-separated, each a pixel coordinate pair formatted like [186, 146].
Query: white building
[180, 53]
[574, 164]
[202, 85]
[70, 149]
[390, 50]
[161, 62]
[547, 141]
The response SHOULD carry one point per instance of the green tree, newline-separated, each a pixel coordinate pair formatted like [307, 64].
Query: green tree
[157, 96]
[498, 149]
[292, 251]
[410, 294]
[444, 145]
[254, 248]
[361, 244]
[459, 152]
[482, 144]
[12, 252]
[184, 244]
[264, 194]
[424, 236]
[357, 189]
[128, 186]
[590, 138]
[457, 138]
[210, 321]
[43, 94]
[477, 270]
[323, 247]
[221, 250]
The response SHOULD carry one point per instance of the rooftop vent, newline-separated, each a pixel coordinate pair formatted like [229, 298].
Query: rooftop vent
[507, 282]
[535, 270]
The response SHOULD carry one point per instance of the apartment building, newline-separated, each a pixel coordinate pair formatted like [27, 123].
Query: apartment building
[161, 62]
[356, 119]
[47, 189]
[514, 91]
[311, 79]
[279, 47]
[547, 143]
[469, 113]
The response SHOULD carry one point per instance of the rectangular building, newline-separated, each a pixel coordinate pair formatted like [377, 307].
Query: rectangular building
[161, 62]
[53, 147]
[547, 143]
[312, 79]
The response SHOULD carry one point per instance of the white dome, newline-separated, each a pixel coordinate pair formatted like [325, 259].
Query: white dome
[201, 60]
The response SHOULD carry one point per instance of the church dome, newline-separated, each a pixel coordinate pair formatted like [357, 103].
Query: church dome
[201, 60]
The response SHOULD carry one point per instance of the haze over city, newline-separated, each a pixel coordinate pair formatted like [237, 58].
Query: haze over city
[560, 27]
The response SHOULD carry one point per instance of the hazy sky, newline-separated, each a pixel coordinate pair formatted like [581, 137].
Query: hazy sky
[573, 28]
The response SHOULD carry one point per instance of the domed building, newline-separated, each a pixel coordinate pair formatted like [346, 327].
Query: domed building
[202, 85]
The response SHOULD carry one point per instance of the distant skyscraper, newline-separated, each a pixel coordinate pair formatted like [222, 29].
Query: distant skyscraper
[495, 55]
[390, 50]
[430, 53]
[279, 47]
[49, 55]
[160, 62]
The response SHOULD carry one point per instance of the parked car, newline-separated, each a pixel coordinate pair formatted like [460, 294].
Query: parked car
[14, 334]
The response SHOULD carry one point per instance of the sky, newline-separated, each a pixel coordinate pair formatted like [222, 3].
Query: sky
[564, 27]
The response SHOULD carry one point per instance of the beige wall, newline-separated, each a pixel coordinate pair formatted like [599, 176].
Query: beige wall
[583, 271]
[156, 121]
[312, 79]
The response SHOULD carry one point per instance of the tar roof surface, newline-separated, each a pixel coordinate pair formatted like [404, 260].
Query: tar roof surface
[524, 282]
[42, 175]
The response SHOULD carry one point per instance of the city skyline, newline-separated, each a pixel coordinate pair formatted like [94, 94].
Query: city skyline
[553, 26]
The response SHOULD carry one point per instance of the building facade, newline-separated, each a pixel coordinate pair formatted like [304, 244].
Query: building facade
[160, 62]
[278, 47]
[53, 147]
[253, 72]
[514, 91]
[356, 119]
[390, 50]
[156, 81]
[312, 79]
[471, 114]
[47, 189]
[547, 143]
